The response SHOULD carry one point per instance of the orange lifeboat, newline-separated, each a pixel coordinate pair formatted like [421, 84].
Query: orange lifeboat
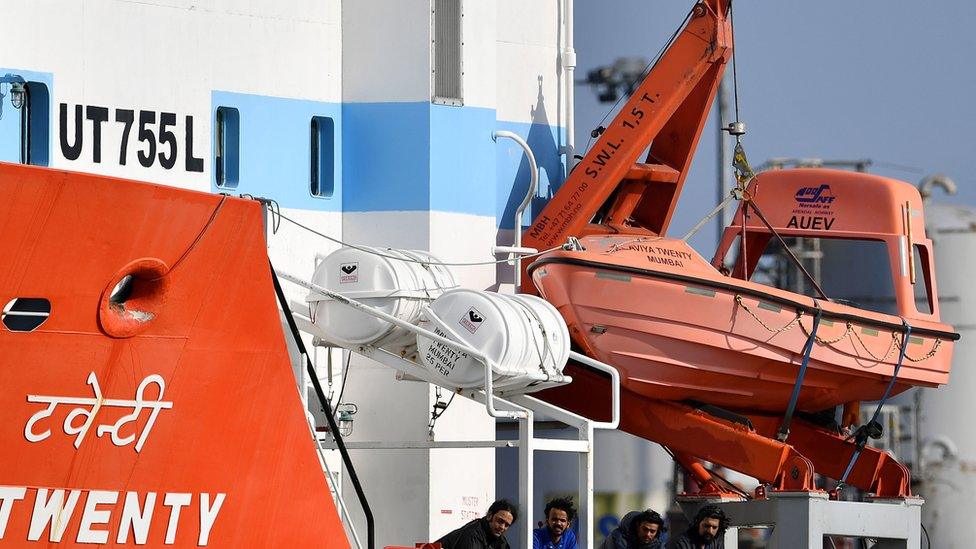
[681, 328]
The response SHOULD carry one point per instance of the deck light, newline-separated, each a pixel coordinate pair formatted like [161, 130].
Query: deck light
[344, 413]
[18, 90]
[17, 93]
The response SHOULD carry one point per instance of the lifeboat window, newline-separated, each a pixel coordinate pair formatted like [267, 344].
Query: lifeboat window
[854, 272]
[322, 156]
[25, 314]
[448, 70]
[731, 257]
[923, 282]
[227, 145]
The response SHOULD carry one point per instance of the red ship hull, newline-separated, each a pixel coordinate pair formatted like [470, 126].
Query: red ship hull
[169, 415]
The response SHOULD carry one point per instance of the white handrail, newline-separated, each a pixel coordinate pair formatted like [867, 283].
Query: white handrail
[569, 80]
[533, 184]
[362, 307]
[331, 481]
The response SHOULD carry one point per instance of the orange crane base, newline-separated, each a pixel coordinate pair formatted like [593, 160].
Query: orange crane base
[737, 445]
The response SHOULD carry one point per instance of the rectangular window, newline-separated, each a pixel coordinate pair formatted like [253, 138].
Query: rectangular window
[28, 107]
[25, 129]
[853, 272]
[448, 70]
[923, 280]
[322, 156]
[227, 147]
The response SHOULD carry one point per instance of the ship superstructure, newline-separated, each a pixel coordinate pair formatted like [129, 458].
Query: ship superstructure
[370, 122]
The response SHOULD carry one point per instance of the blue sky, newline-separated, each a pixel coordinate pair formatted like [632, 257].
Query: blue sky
[890, 81]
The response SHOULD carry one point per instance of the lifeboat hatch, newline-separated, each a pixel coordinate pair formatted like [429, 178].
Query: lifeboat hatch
[25, 314]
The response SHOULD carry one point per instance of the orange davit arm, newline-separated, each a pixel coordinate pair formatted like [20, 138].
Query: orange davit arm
[667, 111]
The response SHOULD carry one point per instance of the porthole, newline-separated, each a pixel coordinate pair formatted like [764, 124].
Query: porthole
[25, 314]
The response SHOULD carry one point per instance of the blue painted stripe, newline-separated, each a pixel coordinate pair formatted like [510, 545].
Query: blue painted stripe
[275, 149]
[386, 156]
[462, 153]
[394, 156]
[389, 156]
[420, 156]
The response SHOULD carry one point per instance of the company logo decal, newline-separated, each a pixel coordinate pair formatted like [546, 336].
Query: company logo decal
[472, 320]
[349, 273]
[814, 209]
[87, 410]
[815, 195]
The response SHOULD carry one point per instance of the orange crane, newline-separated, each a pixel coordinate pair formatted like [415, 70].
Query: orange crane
[665, 117]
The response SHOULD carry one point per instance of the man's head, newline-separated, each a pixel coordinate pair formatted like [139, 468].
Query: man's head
[710, 523]
[560, 512]
[647, 526]
[501, 515]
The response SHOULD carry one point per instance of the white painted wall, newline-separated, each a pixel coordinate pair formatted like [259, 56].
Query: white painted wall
[481, 69]
[391, 40]
[528, 45]
[172, 55]
[168, 56]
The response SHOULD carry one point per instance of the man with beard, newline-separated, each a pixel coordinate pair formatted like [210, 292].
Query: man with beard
[556, 534]
[707, 531]
[487, 532]
[637, 530]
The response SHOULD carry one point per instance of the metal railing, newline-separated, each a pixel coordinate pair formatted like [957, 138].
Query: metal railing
[501, 402]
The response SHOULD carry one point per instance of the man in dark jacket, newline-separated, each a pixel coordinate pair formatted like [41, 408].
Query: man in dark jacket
[484, 533]
[707, 531]
[637, 530]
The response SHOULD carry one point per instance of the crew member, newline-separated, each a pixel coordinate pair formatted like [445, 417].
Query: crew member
[556, 533]
[707, 531]
[487, 532]
[637, 530]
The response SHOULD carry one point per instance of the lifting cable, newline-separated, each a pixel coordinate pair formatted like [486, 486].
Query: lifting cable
[789, 250]
[872, 428]
[744, 174]
[437, 410]
[408, 260]
[643, 74]
[199, 237]
[784, 429]
[735, 79]
[709, 217]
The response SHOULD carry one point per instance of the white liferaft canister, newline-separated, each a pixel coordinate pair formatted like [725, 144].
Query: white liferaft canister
[398, 282]
[524, 337]
[556, 350]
